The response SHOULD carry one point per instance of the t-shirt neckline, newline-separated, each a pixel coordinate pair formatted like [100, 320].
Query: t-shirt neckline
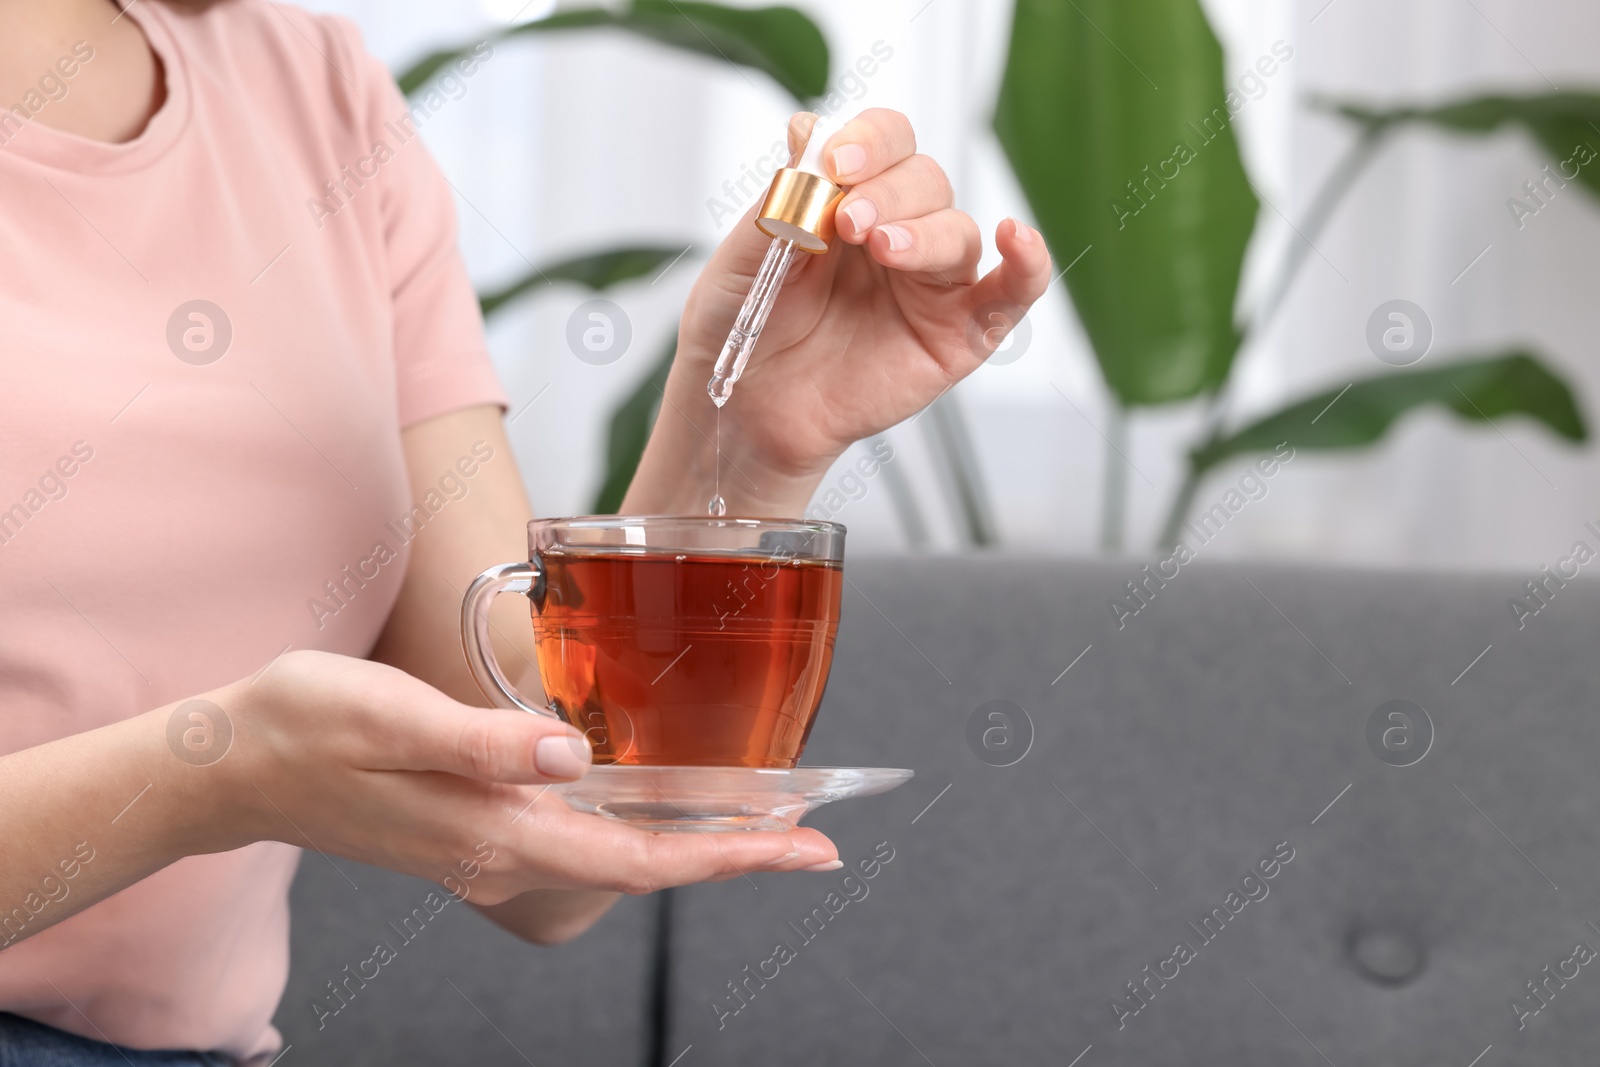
[73, 152]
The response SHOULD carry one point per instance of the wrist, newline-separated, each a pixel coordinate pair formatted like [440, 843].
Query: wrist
[696, 452]
[204, 802]
[150, 809]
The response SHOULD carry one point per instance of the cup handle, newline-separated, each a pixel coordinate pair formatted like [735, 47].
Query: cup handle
[475, 641]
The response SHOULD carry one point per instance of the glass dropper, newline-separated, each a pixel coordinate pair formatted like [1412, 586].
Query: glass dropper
[797, 214]
[752, 317]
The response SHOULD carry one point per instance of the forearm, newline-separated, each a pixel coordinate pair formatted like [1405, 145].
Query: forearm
[86, 816]
[550, 916]
[485, 527]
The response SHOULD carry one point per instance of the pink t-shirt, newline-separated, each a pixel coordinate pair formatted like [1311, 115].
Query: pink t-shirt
[179, 481]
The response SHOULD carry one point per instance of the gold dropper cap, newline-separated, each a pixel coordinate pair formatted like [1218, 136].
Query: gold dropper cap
[801, 201]
[800, 207]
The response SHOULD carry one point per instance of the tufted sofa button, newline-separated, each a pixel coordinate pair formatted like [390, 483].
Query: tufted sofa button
[1386, 956]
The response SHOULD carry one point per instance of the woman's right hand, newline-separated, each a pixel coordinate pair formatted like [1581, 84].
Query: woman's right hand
[362, 760]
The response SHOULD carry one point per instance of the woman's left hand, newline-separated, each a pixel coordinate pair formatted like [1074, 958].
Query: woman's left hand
[863, 336]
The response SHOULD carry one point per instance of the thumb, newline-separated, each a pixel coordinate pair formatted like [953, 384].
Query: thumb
[488, 744]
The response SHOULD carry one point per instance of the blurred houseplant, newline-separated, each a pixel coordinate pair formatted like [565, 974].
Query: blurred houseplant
[1147, 186]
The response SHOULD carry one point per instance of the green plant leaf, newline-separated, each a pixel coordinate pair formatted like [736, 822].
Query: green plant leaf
[1560, 122]
[628, 431]
[781, 42]
[598, 270]
[1095, 92]
[422, 71]
[1515, 383]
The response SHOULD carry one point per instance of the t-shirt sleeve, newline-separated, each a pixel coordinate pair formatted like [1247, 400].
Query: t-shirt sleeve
[442, 361]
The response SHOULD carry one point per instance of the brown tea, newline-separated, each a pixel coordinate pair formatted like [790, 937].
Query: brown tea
[686, 659]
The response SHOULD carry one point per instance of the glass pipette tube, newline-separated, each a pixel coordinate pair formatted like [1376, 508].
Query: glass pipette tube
[752, 317]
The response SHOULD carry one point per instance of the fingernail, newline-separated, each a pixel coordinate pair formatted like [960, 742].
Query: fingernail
[781, 860]
[1023, 233]
[562, 756]
[862, 213]
[899, 238]
[831, 865]
[847, 159]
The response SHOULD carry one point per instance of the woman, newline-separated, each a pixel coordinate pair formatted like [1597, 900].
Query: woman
[214, 401]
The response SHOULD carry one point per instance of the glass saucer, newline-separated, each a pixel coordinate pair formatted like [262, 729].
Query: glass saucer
[720, 798]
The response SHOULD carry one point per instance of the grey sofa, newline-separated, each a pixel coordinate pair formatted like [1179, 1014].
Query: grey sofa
[1211, 841]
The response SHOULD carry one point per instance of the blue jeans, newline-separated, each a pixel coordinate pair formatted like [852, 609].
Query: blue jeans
[25, 1043]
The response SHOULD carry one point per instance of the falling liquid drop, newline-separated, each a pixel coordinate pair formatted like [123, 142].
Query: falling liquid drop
[718, 506]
